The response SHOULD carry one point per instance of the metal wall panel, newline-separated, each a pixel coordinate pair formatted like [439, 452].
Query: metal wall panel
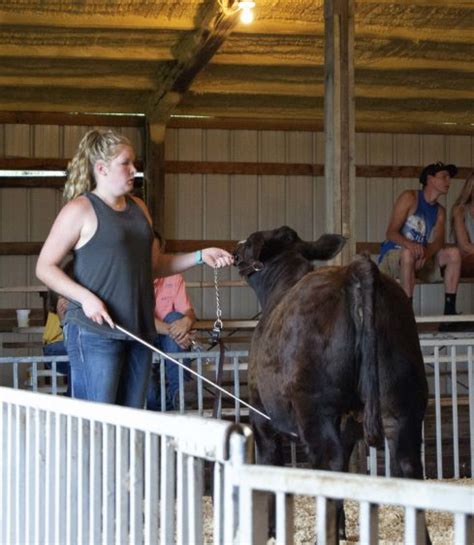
[26, 215]
[230, 206]
[361, 190]
[244, 193]
[248, 203]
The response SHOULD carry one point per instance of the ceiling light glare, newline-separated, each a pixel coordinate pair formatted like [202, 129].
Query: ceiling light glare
[246, 8]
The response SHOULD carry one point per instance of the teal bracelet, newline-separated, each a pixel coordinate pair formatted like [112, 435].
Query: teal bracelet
[198, 257]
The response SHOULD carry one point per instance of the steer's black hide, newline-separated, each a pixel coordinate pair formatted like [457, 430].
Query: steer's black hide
[334, 347]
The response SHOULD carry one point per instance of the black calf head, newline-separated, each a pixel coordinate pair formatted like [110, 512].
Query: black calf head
[251, 255]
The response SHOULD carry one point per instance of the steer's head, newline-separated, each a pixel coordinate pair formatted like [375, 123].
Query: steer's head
[252, 254]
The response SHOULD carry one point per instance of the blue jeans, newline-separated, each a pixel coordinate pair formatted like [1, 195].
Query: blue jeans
[59, 349]
[107, 370]
[166, 344]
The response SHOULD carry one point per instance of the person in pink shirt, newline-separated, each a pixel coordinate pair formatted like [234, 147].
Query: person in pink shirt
[174, 319]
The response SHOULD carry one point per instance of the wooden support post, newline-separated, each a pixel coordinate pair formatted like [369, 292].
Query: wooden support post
[339, 125]
[154, 185]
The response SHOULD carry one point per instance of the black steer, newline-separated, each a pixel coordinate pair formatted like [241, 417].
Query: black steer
[334, 347]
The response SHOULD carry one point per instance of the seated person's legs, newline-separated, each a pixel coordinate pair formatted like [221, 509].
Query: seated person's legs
[407, 272]
[446, 267]
[400, 264]
[169, 346]
[449, 258]
[153, 397]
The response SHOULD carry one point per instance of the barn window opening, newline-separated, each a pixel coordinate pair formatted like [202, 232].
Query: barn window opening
[40, 173]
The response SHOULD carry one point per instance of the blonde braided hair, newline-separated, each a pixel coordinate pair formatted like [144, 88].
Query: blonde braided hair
[97, 144]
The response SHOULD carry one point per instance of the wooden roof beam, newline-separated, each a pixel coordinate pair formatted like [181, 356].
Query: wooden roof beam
[193, 53]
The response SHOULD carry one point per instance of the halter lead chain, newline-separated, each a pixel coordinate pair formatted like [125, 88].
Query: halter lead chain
[216, 330]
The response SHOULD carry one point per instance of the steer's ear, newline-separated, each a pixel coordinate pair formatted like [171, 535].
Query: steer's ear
[326, 247]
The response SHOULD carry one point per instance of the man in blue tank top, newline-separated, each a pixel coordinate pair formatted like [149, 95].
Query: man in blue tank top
[414, 247]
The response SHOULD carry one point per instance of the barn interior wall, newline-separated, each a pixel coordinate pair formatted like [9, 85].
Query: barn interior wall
[26, 214]
[230, 206]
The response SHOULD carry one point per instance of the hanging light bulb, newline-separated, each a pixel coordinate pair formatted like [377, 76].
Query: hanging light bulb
[246, 15]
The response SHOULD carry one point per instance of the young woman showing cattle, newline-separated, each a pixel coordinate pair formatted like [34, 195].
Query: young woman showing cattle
[115, 261]
[334, 347]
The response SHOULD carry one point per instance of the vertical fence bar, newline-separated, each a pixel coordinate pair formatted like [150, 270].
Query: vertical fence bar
[95, 483]
[180, 387]
[49, 479]
[373, 461]
[326, 521]
[167, 498]
[454, 404]
[253, 516]
[3, 470]
[235, 361]
[136, 486]
[181, 498]
[122, 478]
[162, 384]
[30, 476]
[386, 451]
[200, 389]
[368, 523]
[60, 487]
[54, 378]
[71, 480]
[34, 376]
[83, 481]
[293, 457]
[10, 496]
[152, 475]
[195, 486]
[16, 380]
[20, 474]
[108, 484]
[245, 519]
[285, 524]
[217, 393]
[40, 457]
[463, 529]
[470, 375]
[439, 440]
[218, 499]
[414, 526]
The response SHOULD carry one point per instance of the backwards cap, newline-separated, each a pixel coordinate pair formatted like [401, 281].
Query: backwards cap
[434, 168]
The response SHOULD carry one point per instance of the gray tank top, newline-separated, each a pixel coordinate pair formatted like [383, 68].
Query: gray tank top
[115, 264]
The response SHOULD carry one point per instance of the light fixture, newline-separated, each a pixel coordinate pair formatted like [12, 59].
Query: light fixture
[246, 8]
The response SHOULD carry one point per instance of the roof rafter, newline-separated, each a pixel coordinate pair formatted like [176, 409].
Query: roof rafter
[193, 53]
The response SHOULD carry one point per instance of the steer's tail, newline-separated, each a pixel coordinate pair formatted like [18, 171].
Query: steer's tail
[363, 279]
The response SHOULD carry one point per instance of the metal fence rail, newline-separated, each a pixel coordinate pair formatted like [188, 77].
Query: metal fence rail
[253, 484]
[448, 447]
[448, 431]
[77, 472]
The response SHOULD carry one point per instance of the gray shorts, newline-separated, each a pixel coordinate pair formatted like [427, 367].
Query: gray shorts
[391, 265]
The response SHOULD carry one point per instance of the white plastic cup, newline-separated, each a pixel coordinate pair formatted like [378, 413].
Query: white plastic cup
[23, 317]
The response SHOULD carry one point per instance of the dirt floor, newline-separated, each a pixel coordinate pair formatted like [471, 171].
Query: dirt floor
[391, 532]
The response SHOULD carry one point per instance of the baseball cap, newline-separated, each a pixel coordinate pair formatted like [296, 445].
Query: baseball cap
[434, 168]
